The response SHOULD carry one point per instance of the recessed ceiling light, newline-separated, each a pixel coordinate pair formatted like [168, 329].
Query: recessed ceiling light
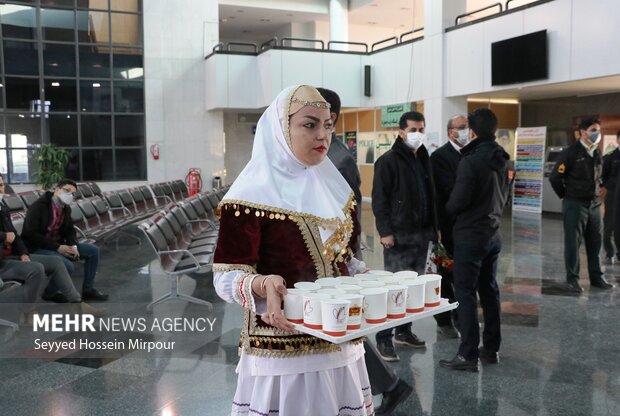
[54, 64]
[96, 85]
[1, 85]
[55, 84]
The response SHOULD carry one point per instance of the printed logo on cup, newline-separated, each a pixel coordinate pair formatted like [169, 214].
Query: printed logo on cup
[339, 314]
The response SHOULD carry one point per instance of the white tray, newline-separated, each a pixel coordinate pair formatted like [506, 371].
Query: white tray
[367, 328]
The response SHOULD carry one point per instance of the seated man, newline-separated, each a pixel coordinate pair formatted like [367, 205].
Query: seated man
[48, 230]
[60, 289]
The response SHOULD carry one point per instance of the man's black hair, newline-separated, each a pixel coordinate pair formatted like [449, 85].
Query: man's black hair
[410, 115]
[483, 122]
[333, 99]
[66, 181]
[587, 122]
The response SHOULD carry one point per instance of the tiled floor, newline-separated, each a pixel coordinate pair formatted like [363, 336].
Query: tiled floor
[560, 354]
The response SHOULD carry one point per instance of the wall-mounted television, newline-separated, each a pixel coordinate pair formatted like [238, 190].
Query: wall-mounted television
[520, 59]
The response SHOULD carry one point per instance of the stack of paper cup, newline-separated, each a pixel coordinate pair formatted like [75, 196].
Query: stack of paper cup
[375, 304]
[350, 288]
[432, 291]
[347, 280]
[328, 282]
[312, 309]
[335, 315]
[370, 283]
[332, 291]
[406, 274]
[355, 310]
[367, 276]
[307, 286]
[293, 305]
[415, 294]
[396, 301]
[381, 273]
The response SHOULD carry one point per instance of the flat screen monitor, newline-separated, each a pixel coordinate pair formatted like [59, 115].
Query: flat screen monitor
[520, 59]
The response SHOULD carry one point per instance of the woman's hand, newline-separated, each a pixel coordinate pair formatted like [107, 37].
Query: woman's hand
[272, 287]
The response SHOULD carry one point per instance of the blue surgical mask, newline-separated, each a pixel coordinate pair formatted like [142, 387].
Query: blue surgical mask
[594, 137]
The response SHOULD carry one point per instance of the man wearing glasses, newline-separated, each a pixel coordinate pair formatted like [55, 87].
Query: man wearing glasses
[48, 230]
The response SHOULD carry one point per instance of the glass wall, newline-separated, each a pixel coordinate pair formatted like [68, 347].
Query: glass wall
[72, 74]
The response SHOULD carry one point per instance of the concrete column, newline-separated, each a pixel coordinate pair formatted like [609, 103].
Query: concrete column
[339, 22]
[439, 15]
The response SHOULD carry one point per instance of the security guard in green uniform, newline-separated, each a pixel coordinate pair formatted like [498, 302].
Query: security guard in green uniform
[576, 178]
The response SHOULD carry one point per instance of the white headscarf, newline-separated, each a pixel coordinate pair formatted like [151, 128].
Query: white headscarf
[275, 179]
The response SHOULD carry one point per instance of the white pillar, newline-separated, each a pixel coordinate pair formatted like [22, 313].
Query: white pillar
[439, 15]
[339, 22]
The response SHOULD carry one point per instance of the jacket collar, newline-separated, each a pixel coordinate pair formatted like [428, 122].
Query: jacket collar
[400, 147]
[471, 146]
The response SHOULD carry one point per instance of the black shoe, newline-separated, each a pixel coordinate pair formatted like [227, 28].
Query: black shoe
[573, 286]
[386, 351]
[601, 283]
[410, 339]
[391, 399]
[488, 356]
[56, 298]
[93, 294]
[461, 364]
[448, 331]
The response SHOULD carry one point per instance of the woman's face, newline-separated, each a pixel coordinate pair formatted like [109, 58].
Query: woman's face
[311, 132]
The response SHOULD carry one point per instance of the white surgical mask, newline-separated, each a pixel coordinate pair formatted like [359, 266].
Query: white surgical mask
[66, 198]
[415, 140]
[463, 138]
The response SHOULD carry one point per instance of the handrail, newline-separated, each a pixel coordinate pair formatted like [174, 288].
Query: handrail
[459, 17]
[340, 42]
[273, 40]
[508, 2]
[252, 44]
[411, 32]
[372, 49]
[302, 40]
[219, 45]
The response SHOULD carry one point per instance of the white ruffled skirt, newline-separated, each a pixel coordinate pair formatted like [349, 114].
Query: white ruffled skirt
[331, 384]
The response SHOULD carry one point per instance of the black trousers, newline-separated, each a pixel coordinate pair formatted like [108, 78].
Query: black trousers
[382, 377]
[475, 269]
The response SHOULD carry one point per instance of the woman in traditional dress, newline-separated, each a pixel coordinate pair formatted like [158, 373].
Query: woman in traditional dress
[289, 217]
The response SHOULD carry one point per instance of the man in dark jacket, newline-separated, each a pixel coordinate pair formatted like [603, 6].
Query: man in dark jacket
[576, 178]
[48, 230]
[611, 171]
[403, 201]
[477, 201]
[444, 161]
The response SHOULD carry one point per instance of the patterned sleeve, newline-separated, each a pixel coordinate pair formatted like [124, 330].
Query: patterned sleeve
[236, 286]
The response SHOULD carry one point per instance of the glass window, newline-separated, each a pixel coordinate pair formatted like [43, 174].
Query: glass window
[129, 130]
[62, 129]
[22, 165]
[133, 6]
[128, 97]
[96, 130]
[61, 94]
[97, 165]
[93, 27]
[18, 21]
[92, 4]
[21, 58]
[58, 25]
[23, 130]
[130, 164]
[95, 96]
[1, 95]
[57, 3]
[4, 166]
[126, 29]
[21, 93]
[94, 62]
[59, 60]
[127, 63]
[72, 171]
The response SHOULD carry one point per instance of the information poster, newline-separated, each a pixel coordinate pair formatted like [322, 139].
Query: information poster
[350, 139]
[390, 114]
[529, 169]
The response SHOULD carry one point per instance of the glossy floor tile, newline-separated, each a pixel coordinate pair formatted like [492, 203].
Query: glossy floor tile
[560, 353]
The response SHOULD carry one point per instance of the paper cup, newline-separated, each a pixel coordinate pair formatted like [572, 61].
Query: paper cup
[415, 295]
[391, 280]
[350, 288]
[327, 282]
[406, 274]
[335, 315]
[370, 283]
[332, 291]
[294, 306]
[366, 276]
[381, 273]
[347, 280]
[375, 305]
[432, 291]
[396, 301]
[307, 286]
[355, 310]
[312, 309]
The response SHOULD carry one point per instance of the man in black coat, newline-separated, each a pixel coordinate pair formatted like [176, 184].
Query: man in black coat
[48, 230]
[610, 176]
[403, 201]
[477, 201]
[444, 161]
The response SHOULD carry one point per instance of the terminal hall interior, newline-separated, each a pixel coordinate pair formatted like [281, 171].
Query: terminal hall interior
[125, 124]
